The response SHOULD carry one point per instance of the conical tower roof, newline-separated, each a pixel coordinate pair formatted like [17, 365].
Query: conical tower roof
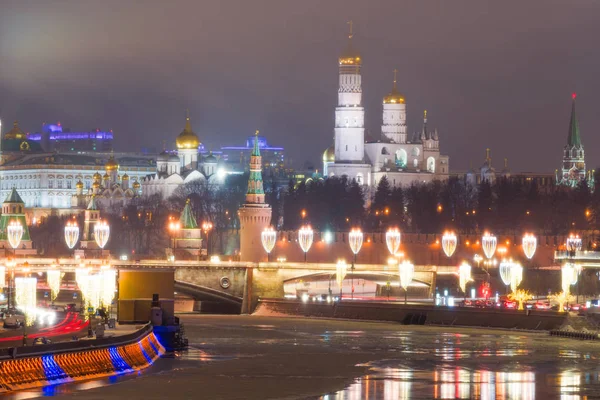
[92, 204]
[14, 197]
[187, 219]
[574, 138]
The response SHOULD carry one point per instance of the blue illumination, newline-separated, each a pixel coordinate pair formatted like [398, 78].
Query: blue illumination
[156, 350]
[118, 362]
[52, 370]
[148, 358]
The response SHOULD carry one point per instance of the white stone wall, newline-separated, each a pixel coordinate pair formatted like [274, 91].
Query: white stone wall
[394, 122]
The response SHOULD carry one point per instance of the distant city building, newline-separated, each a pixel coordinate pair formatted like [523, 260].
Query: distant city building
[239, 156]
[55, 138]
[573, 166]
[402, 159]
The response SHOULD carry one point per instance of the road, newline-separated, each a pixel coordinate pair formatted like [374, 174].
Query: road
[69, 325]
[250, 357]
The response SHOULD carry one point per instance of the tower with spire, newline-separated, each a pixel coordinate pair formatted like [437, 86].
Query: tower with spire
[394, 115]
[573, 168]
[254, 215]
[349, 130]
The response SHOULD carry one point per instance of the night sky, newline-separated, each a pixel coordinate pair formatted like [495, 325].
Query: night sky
[491, 74]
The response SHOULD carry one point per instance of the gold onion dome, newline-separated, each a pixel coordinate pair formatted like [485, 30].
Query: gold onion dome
[111, 164]
[350, 56]
[95, 185]
[125, 177]
[15, 132]
[329, 154]
[394, 97]
[79, 185]
[187, 139]
[136, 185]
[106, 177]
[97, 176]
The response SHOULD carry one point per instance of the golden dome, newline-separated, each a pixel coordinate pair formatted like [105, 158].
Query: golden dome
[350, 56]
[111, 164]
[394, 97]
[136, 185]
[95, 185]
[187, 139]
[106, 177]
[125, 177]
[79, 185]
[97, 176]
[329, 154]
[15, 132]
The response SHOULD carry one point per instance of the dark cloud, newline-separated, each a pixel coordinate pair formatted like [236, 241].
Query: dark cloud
[491, 74]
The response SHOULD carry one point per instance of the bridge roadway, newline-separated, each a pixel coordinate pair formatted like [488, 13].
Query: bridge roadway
[240, 284]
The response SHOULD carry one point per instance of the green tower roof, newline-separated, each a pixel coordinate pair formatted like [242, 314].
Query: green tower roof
[574, 139]
[187, 217]
[256, 150]
[13, 197]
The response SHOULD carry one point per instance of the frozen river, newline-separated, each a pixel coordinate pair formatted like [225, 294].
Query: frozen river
[250, 357]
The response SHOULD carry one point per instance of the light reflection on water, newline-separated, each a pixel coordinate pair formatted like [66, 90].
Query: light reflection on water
[446, 382]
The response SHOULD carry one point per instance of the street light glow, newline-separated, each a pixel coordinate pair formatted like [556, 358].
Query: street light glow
[407, 271]
[53, 276]
[14, 232]
[574, 243]
[305, 239]
[355, 240]
[26, 297]
[71, 234]
[489, 242]
[464, 276]
[392, 240]
[101, 233]
[268, 238]
[529, 245]
[449, 242]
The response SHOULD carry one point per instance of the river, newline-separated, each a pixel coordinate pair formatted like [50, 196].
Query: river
[251, 357]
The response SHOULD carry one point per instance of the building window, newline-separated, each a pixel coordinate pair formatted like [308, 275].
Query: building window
[51, 183]
[59, 184]
[69, 184]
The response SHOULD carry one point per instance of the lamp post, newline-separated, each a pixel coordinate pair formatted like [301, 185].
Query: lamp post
[449, 242]
[573, 245]
[489, 243]
[505, 272]
[206, 227]
[529, 244]
[101, 233]
[406, 270]
[268, 238]
[355, 240]
[341, 269]
[464, 276]
[14, 233]
[392, 240]
[174, 227]
[71, 234]
[305, 239]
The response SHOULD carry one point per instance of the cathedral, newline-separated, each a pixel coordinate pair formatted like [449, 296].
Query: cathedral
[186, 165]
[402, 159]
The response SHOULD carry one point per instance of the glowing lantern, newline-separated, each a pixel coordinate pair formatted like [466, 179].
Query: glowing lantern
[489, 242]
[268, 238]
[71, 234]
[2, 276]
[392, 240]
[569, 277]
[449, 242]
[355, 240]
[81, 279]
[407, 271]
[464, 276]
[109, 278]
[93, 291]
[341, 269]
[53, 278]
[101, 233]
[14, 232]
[505, 271]
[305, 239]
[26, 297]
[516, 276]
[529, 245]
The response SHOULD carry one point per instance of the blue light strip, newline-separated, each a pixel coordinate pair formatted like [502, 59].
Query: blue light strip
[118, 363]
[52, 370]
[148, 358]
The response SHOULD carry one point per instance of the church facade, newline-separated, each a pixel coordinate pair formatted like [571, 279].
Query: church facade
[402, 158]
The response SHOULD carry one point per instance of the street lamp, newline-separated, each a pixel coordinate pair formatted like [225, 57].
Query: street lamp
[464, 276]
[305, 239]
[101, 233]
[53, 276]
[206, 227]
[569, 277]
[392, 240]
[14, 232]
[529, 245]
[449, 241]
[268, 238]
[355, 240]
[71, 234]
[174, 227]
[407, 271]
[26, 300]
[488, 243]
[573, 245]
[505, 272]
[516, 276]
[341, 269]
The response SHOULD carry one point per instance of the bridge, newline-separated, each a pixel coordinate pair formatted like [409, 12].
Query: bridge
[585, 258]
[239, 284]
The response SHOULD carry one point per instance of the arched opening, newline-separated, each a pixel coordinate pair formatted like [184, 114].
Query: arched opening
[401, 158]
[431, 165]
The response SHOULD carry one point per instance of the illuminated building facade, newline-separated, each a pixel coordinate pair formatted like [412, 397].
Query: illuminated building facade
[55, 138]
[402, 159]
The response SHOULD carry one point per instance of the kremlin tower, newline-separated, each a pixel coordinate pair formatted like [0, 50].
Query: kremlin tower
[254, 215]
